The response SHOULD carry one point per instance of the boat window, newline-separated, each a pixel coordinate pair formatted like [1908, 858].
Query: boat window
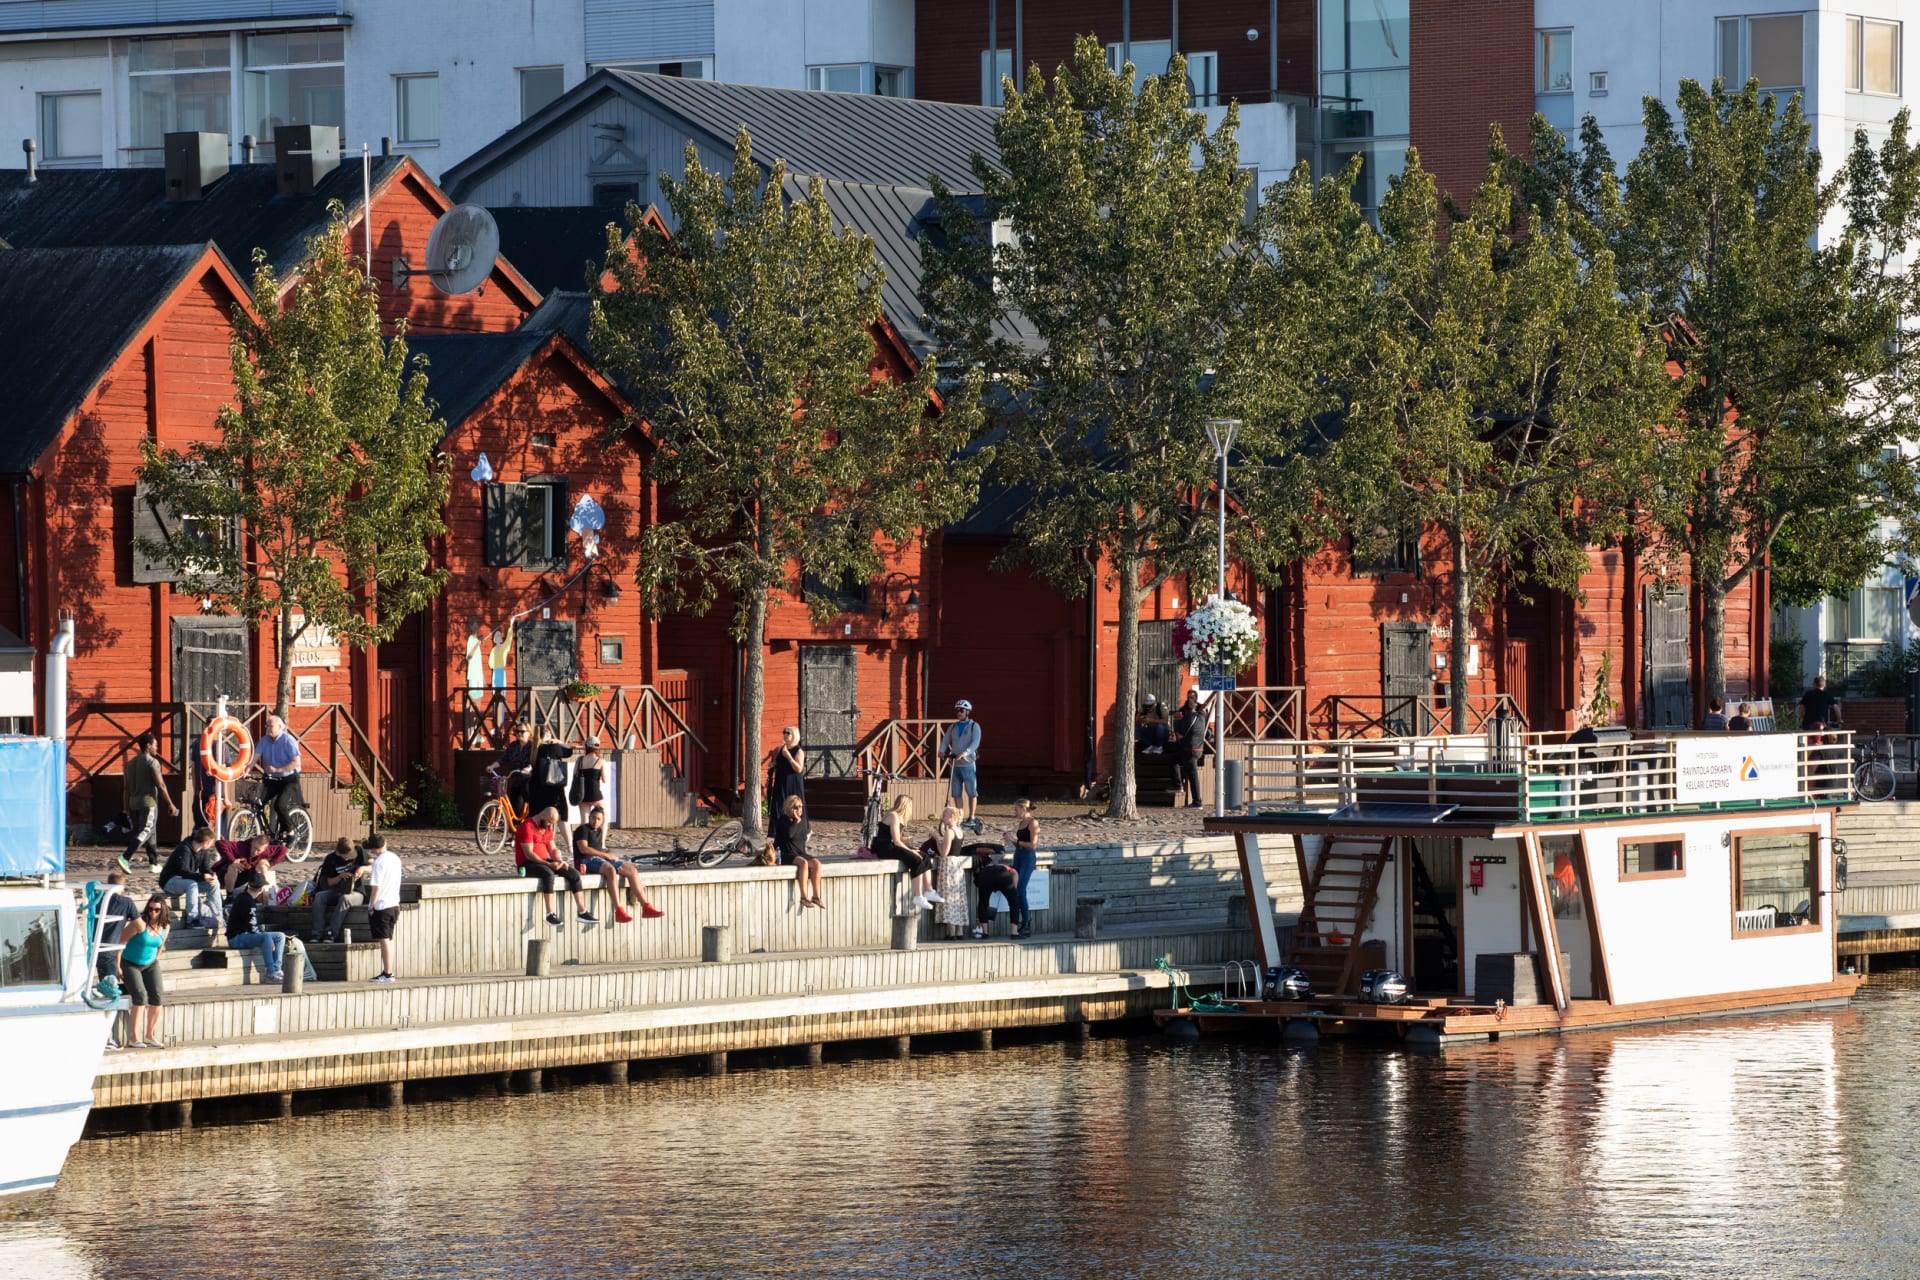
[1644, 859]
[30, 947]
[1563, 882]
[1778, 882]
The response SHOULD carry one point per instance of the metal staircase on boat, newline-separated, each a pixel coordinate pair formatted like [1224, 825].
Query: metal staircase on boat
[1343, 887]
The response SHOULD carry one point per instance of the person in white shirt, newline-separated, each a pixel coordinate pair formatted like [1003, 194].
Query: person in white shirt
[383, 905]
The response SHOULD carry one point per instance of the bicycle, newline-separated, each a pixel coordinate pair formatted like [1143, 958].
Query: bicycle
[498, 818]
[252, 816]
[876, 806]
[719, 844]
[1873, 777]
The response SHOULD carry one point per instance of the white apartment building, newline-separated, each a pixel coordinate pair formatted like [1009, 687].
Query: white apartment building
[1847, 60]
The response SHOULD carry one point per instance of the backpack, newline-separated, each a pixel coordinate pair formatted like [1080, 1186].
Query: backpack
[553, 772]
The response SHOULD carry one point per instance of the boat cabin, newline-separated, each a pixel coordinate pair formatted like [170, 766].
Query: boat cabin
[1526, 882]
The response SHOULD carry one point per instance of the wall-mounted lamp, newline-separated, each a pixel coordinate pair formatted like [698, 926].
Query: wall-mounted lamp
[890, 586]
[611, 590]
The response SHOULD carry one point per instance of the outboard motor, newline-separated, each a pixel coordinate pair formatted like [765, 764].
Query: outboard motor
[1287, 984]
[1383, 986]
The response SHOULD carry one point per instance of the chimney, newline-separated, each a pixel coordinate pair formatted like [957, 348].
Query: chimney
[26, 145]
[195, 161]
[386, 145]
[302, 155]
[247, 144]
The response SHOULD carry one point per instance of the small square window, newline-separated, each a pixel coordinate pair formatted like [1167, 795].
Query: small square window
[613, 650]
[1646, 859]
[1873, 57]
[542, 439]
[417, 110]
[1382, 551]
[843, 79]
[893, 82]
[539, 86]
[1596, 84]
[70, 125]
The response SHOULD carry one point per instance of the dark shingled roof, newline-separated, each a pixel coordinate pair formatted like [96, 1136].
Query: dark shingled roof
[65, 316]
[464, 369]
[72, 208]
[554, 248]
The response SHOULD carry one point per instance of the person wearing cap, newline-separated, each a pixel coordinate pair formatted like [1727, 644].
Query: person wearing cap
[961, 744]
[1150, 727]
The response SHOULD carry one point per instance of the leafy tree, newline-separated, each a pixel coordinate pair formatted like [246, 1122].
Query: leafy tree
[324, 490]
[1784, 298]
[746, 342]
[1103, 314]
[1502, 394]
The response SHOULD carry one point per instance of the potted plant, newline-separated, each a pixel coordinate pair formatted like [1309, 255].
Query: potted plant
[1221, 634]
[581, 691]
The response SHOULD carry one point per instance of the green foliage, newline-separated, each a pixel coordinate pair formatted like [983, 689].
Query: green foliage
[1786, 664]
[437, 808]
[1110, 321]
[1501, 396]
[1887, 676]
[746, 341]
[1786, 297]
[329, 460]
[1601, 706]
[581, 691]
[395, 808]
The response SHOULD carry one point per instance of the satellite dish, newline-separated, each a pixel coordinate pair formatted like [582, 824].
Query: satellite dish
[461, 251]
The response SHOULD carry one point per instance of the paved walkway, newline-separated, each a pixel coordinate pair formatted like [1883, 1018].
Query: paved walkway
[437, 852]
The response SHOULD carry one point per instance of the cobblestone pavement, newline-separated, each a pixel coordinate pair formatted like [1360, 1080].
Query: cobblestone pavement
[428, 852]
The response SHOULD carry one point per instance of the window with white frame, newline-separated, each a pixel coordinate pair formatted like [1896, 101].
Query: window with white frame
[1770, 48]
[1869, 614]
[996, 65]
[844, 78]
[70, 129]
[1553, 58]
[539, 86]
[1873, 57]
[293, 78]
[1153, 57]
[416, 111]
[177, 84]
[893, 82]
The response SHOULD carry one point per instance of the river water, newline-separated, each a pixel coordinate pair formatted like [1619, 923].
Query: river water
[1778, 1146]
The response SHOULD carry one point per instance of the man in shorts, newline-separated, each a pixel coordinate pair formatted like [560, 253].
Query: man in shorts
[383, 905]
[961, 744]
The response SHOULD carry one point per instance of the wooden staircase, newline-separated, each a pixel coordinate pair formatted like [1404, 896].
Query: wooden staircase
[1340, 896]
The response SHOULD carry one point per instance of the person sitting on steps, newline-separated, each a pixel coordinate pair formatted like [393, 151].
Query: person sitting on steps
[339, 885]
[243, 926]
[534, 854]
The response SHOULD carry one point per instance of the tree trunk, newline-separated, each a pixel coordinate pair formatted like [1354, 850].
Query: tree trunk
[283, 685]
[753, 701]
[1460, 610]
[1713, 635]
[1126, 694]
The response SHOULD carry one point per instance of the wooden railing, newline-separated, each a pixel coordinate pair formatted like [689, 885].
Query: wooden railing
[904, 748]
[1413, 715]
[623, 717]
[1267, 711]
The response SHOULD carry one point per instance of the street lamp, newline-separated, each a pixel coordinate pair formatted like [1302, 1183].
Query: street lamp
[1220, 434]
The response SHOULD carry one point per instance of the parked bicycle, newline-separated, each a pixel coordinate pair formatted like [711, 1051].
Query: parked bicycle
[494, 829]
[1873, 777]
[719, 844]
[877, 780]
[251, 816]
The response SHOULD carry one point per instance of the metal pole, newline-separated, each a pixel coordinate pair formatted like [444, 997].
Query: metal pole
[219, 713]
[1220, 433]
[1126, 32]
[1273, 50]
[993, 53]
[366, 202]
[1020, 45]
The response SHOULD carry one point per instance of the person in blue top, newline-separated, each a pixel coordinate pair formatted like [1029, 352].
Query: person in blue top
[961, 744]
[141, 942]
[278, 758]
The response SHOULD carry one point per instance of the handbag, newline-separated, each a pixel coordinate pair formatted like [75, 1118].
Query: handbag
[577, 792]
[553, 772]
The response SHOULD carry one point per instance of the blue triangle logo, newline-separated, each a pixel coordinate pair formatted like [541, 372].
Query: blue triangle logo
[1750, 771]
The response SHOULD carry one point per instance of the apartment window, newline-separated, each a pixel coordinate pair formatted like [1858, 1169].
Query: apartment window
[838, 79]
[996, 65]
[1869, 613]
[539, 86]
[1554, 56]
[176, 84]
[1365, 92]
[1651, 859]
[293, 77]
[684, 69]
[1778, 880]
[70, 128]
[893, 82]
[417, 110]
[1873, 57]
[1770, 49]
[1153, 57]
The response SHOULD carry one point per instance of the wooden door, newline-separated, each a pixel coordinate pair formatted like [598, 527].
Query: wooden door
[1159, 665]
[1404, 683]
[399, 723]
[829, 708]
[545, 653]
[1668, 693]
[209, 661]
[1526, 678]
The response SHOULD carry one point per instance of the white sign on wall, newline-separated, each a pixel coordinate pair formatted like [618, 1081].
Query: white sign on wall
[1739, 766]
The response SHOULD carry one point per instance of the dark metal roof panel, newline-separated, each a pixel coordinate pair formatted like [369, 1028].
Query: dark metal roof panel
[464, 369]
[554, 248]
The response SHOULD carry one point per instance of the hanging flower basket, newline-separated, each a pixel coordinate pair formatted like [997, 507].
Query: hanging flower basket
[581, 691]
[1221, 635]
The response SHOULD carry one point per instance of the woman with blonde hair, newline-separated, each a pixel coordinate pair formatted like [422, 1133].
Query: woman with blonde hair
[951, 867]
[890, 842]
[792, 836]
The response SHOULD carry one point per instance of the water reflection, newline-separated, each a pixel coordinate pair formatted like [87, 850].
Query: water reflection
[1735, 1148]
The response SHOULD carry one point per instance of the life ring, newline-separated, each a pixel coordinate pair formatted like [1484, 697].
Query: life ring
[216, 727]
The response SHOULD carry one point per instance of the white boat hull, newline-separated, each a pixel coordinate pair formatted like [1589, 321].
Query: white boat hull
[48, 1057]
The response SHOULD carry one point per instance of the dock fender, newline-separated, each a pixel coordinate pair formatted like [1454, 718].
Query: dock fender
[1181, 1029]
[1423, 1037]
[1299, 1029]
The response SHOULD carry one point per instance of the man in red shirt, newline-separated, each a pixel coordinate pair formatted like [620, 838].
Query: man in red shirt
[533, 853]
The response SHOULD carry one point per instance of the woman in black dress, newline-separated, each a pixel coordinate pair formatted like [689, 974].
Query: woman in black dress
[589, 779]
[789, 771]
[547, 783]
[791, 835]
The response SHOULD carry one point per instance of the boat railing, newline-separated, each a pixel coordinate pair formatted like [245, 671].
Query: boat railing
[1538, 778]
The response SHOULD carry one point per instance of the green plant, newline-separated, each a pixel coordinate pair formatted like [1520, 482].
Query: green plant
[1786, 664]
[396, 806]
[1601, 705]
[581, 691]
[437, 806]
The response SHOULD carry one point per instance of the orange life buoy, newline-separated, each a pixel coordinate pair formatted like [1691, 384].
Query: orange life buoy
[216, 727]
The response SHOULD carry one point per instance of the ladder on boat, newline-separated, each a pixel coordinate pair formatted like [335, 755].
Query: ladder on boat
[1430, 915]
[1340, 897]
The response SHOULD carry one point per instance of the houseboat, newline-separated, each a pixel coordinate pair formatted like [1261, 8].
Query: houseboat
[53, 1027]
[1470, 888]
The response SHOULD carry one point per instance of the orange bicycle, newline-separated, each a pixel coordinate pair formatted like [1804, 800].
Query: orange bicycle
[498, 818]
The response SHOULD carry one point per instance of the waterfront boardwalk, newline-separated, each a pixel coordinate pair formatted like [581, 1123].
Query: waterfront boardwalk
[735, 966]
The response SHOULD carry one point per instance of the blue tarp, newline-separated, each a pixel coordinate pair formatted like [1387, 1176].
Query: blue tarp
[33, 807]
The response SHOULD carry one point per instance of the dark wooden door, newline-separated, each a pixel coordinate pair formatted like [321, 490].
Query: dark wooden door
[829, 708]
[1669, 695]
[545, 653]
[1159, 665]
[209, 662]
[1526, 678]
[1404, 683]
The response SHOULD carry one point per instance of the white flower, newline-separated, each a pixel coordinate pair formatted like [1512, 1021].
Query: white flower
[1221, 633]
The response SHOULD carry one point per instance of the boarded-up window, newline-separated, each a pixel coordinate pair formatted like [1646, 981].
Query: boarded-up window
[155, 522]
[527, 524]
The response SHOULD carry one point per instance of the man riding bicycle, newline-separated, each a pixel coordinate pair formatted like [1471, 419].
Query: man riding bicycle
[277, 757]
